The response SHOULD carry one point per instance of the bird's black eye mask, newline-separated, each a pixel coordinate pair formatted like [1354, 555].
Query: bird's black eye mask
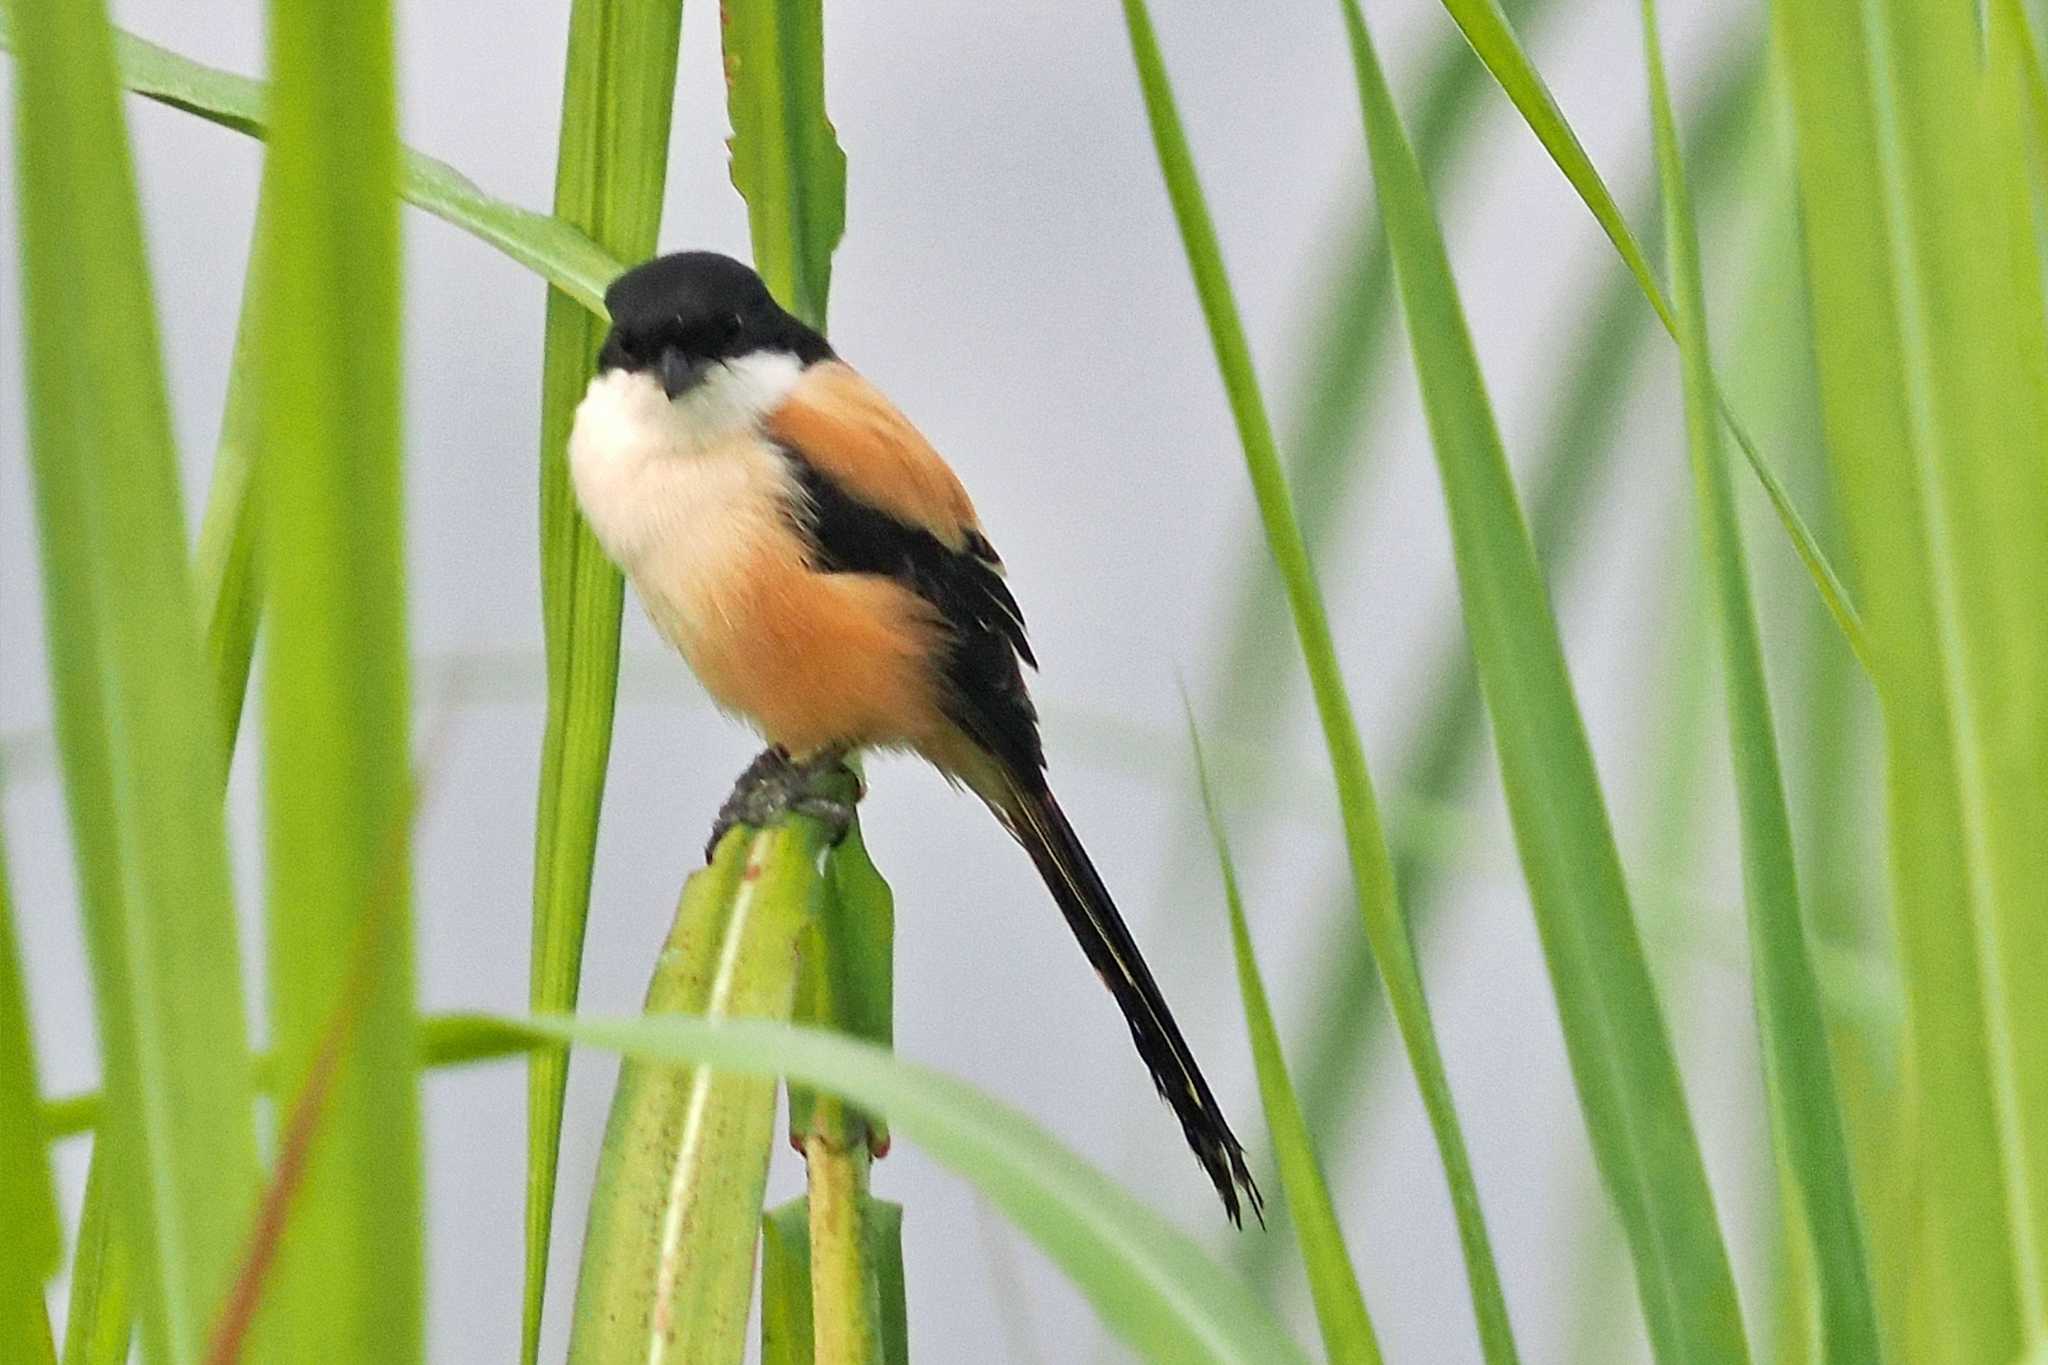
[678, 353]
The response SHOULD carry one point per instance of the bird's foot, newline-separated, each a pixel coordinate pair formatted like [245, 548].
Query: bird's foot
[821, 786]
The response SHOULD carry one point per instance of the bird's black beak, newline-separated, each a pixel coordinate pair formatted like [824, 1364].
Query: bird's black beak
[680, 373]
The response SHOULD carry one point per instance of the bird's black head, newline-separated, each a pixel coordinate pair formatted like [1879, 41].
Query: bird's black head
[677, 316]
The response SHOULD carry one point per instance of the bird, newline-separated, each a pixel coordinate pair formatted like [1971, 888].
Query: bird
[822, 571]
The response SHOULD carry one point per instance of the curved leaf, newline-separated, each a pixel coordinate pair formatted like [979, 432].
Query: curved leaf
[1493, 39]
[549, 247]
[1152, 1285]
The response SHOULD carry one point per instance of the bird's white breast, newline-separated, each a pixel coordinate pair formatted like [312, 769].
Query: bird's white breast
[682, 493]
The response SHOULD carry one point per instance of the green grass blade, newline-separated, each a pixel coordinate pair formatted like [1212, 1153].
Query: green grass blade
[139, 739]
[618, 92]
[1927, 324]
[1152, 1285]
[1486, 27]
[1438, 753]
[1326, 414]
[2010, 16]
[1988, 343]
[1806, 1117]
[1340, 1304]
[1365, 842]
[786, 161]
[551, 248]
[230, 594]
[28, 1201]
[445, 1040]
[102, 1314]
[348, 1280]
[1614, 1032]
[24, 1319]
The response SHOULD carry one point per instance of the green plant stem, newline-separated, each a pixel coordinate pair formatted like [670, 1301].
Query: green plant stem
[668, 1260]
[846, 1304]
[611, 167]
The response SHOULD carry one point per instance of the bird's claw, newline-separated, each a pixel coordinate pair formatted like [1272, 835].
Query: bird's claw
[821, 786]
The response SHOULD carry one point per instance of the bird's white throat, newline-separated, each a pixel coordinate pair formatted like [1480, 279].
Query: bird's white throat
[644, 465]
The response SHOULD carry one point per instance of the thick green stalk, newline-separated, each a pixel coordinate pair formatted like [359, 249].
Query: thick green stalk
[611, 166]
[668, 1260]
[846, 1301]
[847, 985]
[787, 1333]
[1152, 1285]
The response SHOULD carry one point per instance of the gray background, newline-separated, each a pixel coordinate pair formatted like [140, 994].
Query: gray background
[1011, 274]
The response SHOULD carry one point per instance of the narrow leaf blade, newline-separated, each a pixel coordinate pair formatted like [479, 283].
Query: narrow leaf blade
[138, 736]
[1365, 841]
[1340, 1304]
[348, 1281]
[1486, 27]
[1805, 1109]
[786, 160]
[1614, 1031]
[610, 169]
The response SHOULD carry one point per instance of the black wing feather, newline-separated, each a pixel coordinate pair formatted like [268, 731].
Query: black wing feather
[987, 700]
[986, 684]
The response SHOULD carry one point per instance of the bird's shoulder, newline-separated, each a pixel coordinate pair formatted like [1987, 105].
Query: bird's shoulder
[876, 498]
[849, 431]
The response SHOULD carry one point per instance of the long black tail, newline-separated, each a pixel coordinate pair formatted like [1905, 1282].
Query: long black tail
[1038, 824]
